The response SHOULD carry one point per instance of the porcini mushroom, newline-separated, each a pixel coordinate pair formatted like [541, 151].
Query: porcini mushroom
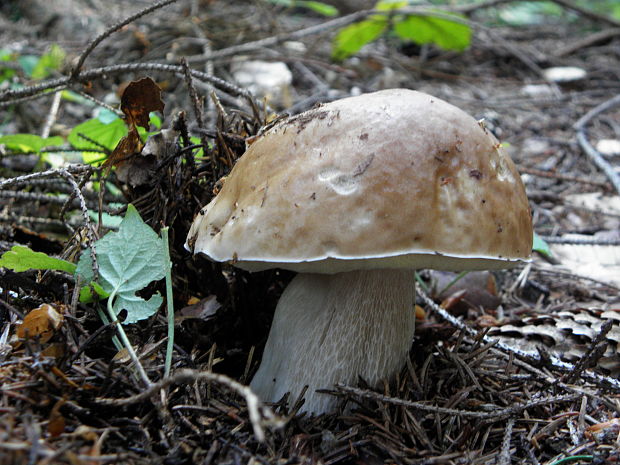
[355, 195]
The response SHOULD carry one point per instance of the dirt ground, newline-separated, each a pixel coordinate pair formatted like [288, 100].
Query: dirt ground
[546, 393]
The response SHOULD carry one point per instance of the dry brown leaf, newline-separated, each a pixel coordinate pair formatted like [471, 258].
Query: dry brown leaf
[604, 433]
[138, 100]
[56, 423]
[42, 323]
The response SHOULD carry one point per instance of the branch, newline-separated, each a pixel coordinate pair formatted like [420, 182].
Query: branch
[260, 415]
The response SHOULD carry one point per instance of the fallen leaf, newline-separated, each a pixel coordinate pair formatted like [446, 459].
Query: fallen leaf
[127, 147]
[42, 323]
[604, 433]
[138, 100]
[56, 423]
[202, 309]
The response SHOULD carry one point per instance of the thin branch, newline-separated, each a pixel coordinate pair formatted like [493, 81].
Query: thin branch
[111, 30]
[11, 94]
[260, 415]
[71, 168]
[587, 13]
[496, 415]
[583, 240]
[598, 159]
[504, 456]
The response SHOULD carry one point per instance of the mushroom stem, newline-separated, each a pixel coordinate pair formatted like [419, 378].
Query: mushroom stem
[331, 329]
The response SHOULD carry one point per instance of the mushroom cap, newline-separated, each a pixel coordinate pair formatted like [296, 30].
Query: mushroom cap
[391, 179]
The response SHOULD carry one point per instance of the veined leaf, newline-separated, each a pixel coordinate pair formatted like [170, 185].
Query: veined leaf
[107, 135]
[352, 38]
[446, 34]
[21, 258]
[128, 260]
[29, 143]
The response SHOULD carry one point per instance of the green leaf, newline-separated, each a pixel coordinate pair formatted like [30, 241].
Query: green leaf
[107, 135]
[444, 33]
[319, 7]
[6, 73]
[107, 220]
[86, 295]
[128, 260]
[106, 116]
[389, 5]
[541, 246]
[49, 62]
[352, 38]
[21, 258]
[29, 143]
[28, 63]
[155, 120]
[196, 141]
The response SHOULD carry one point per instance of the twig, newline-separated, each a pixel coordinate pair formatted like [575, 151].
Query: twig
[585, 119]
[571, 275]
[580, 240]
[587, 13]
[499, 414]
[595, 351]
[562, 177]
[260, 415]
[588, 41]
[51, 116]
[594, 154]
[504, 456]
[72, 168]
[93, 73]
[111, 30]
[598, 159]
[90, 231]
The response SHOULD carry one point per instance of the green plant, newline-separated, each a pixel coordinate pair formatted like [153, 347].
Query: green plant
[34, 67]
[431, 27]
[318, 7]
[541, 246]
[128, 260]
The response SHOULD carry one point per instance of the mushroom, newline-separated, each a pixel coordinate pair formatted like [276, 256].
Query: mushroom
[355, 195]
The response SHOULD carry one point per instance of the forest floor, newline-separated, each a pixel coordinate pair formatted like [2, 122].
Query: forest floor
[526, 373]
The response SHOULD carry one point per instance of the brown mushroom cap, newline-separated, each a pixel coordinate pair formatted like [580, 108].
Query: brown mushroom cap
[392, 179]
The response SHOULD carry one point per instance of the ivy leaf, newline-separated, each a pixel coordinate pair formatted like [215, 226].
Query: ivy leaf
[446, 34]
[352, 38]
[128, 260]
[21, 258]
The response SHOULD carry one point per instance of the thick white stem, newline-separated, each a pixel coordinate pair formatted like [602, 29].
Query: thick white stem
[331, 329]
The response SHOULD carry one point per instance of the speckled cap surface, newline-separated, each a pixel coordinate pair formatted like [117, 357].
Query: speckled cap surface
[391, 179]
